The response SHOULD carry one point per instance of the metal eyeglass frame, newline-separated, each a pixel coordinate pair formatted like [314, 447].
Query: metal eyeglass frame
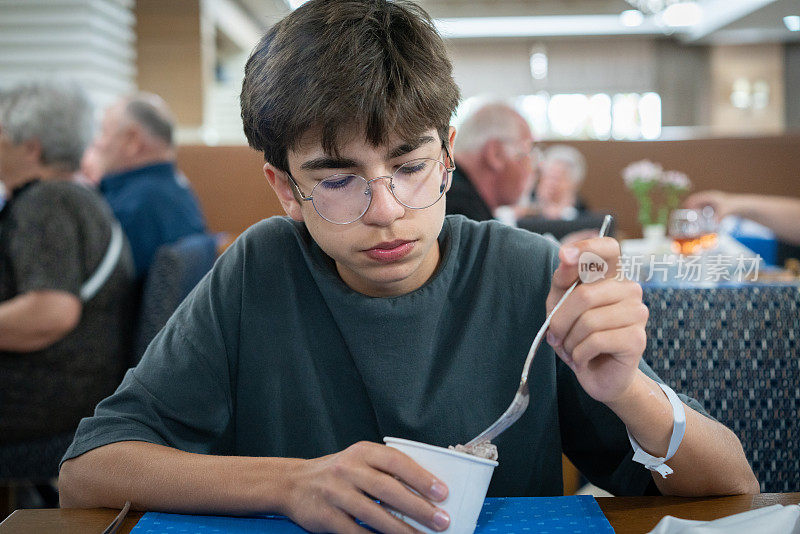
[310, 198]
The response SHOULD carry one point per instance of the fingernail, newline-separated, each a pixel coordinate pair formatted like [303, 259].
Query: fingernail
[438, 491]
[571, 254]
[441, 520]
[566, 357]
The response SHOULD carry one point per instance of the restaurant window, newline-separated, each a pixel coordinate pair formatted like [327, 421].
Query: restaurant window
[624, 116]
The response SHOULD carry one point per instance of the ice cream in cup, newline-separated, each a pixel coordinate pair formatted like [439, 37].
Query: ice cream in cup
[467, 478]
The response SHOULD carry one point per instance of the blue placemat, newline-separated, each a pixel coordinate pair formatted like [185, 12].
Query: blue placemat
[578, 514]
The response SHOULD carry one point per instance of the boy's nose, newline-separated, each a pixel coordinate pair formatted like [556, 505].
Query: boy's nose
[383, 208]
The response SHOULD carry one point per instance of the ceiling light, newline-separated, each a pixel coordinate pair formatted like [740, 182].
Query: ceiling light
[541, 26]
[792, 22]
[538, 62]
[682, 14]
[631, 18]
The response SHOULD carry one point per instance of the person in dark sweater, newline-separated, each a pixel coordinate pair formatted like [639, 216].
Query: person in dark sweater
[367, 312]
[495, 162]
[66, 271]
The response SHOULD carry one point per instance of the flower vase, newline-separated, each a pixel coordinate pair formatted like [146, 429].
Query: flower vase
[654, 234]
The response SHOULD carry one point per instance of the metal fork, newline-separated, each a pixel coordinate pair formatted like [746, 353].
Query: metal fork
[117, 522]
[522, 397]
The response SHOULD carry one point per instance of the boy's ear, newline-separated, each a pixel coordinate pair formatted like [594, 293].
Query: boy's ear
[451, 138]
[283, 189]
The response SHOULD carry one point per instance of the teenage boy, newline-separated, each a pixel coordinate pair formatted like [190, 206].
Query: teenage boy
[367, 313]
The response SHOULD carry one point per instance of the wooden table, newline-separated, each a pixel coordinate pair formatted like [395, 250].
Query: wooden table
[626, 514]
[640, 514]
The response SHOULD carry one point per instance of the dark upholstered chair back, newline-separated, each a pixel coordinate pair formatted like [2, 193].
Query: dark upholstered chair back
[737, 351]
[175, 270]
[34, 460]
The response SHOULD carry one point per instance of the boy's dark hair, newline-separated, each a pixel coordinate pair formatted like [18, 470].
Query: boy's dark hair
[343, 66]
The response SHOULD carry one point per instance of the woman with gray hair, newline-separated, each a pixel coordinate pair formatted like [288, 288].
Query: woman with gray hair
[65, 268]
[562, 171]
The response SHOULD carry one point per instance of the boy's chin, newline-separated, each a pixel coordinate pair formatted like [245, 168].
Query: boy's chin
[383, 280]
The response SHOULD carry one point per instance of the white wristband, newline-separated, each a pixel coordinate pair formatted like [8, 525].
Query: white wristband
[678, 429]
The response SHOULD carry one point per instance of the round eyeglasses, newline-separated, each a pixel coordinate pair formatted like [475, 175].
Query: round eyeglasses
[344, 198]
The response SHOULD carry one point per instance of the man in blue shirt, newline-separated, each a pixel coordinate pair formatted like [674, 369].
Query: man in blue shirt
[149, 196]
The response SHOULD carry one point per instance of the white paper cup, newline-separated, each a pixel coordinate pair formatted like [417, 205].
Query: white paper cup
[467, 478]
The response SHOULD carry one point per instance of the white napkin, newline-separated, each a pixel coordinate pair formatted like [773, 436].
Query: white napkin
[775, 519]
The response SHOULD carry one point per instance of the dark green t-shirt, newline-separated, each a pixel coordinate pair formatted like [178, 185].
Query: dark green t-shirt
[273, 355]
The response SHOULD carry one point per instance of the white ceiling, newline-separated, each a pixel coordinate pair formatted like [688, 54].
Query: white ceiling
[724, 21]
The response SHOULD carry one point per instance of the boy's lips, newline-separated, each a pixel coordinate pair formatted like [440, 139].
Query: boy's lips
[389, 251]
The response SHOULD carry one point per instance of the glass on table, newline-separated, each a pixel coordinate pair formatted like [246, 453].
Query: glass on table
[708, 223]
[692, 230]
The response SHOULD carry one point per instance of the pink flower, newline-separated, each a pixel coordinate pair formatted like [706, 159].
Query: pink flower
[642, 171]
[676, 179]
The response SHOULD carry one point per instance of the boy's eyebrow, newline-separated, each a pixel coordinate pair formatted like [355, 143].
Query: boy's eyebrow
[330, 162]
[405, 148]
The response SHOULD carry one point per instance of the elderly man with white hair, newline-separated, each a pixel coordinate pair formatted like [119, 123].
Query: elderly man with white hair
[494, 162]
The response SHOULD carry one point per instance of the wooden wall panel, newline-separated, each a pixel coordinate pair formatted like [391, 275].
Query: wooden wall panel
[230, 183]
[750, 63]
[170, 56]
